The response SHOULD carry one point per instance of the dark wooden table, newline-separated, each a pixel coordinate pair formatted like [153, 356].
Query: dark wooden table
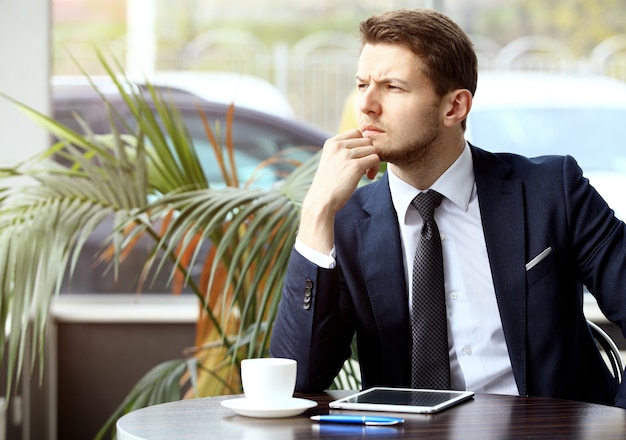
[486, 417]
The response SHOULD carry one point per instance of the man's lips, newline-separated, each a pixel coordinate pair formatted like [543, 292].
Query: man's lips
[370, 131]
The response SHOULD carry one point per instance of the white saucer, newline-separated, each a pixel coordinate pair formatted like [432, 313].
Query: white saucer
[292, 407]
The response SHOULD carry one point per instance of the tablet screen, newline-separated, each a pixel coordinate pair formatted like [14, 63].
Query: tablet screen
[402, 400]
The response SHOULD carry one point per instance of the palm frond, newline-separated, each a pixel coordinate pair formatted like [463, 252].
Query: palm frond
[49, 209]
[145, 175]
[44, 221]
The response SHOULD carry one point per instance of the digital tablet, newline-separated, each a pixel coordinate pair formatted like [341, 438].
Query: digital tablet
[402, 400]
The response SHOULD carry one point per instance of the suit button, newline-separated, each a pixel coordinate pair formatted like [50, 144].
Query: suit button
[308, 291]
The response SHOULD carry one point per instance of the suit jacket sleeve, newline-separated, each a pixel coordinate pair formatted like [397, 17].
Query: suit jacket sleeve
[311, 325]
[600, 249]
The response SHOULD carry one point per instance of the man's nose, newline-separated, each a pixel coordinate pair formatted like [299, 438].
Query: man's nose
[368, 102]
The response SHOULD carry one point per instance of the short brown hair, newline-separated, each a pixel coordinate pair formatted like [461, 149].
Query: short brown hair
[446, 50]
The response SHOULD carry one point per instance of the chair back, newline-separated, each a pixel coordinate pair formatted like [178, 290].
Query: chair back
[609, 349]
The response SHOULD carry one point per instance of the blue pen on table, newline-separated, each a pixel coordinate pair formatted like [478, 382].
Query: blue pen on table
[358, 420]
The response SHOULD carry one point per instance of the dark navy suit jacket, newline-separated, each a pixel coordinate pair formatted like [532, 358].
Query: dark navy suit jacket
[527, 206]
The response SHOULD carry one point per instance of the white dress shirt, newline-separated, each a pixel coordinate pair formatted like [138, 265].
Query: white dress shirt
[479, 359]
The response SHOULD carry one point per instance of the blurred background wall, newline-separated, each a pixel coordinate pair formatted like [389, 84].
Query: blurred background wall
[25, 60]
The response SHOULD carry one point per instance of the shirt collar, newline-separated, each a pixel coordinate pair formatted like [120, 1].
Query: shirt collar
[456, 184]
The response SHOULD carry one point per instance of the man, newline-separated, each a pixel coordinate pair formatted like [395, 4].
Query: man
[520, 237]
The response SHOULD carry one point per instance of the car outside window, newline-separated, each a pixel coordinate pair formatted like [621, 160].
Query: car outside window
[594, 136]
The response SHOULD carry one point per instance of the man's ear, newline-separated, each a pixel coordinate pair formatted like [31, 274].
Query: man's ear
[457, 106]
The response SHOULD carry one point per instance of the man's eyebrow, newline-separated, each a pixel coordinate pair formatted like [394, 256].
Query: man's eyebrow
[385, 80]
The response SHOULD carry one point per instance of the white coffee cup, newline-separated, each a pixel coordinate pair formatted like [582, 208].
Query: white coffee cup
[268, 381]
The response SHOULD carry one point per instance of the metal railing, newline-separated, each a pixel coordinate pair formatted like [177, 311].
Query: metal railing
[316, 73]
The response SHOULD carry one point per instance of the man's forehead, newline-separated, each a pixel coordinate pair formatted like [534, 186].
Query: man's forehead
[388, 60]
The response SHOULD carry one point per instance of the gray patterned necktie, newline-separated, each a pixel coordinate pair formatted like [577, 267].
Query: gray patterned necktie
[430, 365]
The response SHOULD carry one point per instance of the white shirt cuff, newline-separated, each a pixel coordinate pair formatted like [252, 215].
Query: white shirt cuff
[316, 257]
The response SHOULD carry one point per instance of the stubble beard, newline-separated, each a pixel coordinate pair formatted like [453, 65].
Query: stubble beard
[413, 149]
[411, 153]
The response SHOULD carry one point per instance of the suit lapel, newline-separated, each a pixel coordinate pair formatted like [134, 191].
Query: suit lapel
[378, 241]
[502, 210]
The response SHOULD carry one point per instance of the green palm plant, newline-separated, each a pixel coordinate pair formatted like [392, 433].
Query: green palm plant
[152, 184]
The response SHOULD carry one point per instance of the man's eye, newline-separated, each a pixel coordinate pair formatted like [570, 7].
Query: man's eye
[361, 87]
